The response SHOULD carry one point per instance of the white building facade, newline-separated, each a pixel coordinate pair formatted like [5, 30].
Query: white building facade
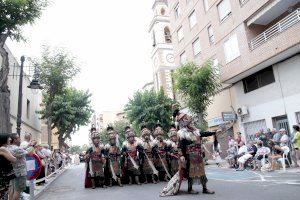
[31, 122]
[276, 104]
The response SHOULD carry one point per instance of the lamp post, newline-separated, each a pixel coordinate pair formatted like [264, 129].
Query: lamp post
[33, 85]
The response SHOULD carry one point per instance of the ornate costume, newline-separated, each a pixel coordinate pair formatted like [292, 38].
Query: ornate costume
[173, 151]
[132, 150]
[95, 162]
[148, 167]
[114, 154]
[190, 151]
[160, 149]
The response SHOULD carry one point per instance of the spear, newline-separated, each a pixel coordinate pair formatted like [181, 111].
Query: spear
[152, 166]
[114, 176]
[164, 166]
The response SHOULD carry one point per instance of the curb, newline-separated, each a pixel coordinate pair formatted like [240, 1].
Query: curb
[40, 192]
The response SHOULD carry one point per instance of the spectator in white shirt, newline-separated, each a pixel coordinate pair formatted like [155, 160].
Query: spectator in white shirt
[284, 137]
[27, 138]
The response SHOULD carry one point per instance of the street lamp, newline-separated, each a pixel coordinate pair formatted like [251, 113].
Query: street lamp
[33, 85]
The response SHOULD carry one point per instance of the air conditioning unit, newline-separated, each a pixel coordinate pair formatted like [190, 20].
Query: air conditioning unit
[242, 111]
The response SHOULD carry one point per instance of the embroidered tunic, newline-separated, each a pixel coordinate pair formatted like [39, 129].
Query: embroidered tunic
[132, 160]
[114, 159]
[96, 162]
[147, 154]
[174, 156]
[160, 149]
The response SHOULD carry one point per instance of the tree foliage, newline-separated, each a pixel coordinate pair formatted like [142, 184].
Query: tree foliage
[197, 85]
[13, 15]
[148, 108]
[70, 110]
[56, 69]
[16, 13]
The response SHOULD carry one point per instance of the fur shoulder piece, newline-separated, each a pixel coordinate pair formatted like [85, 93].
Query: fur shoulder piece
[168, 142]
[139, 141]
[107, 146]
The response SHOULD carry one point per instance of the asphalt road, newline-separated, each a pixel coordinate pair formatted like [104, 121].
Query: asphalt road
[228, 184]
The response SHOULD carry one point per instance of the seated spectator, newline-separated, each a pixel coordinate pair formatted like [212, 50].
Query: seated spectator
[251, 151]
[232, 153]
[276, 153]
[261, 151]
[276, 136]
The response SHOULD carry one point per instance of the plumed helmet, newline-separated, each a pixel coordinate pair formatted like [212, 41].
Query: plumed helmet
[130, 133]
[95, 135]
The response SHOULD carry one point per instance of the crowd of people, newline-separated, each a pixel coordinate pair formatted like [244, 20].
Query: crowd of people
[266, 151]
[150, 158]
[13, 171]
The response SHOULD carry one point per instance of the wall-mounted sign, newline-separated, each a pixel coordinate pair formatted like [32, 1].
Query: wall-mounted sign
[215, 121]
[228, 116]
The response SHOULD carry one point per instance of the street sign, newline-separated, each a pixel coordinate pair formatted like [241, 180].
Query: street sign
[33, 165]
[228, 116]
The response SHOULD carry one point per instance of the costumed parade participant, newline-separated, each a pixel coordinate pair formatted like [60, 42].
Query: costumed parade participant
[95, 163]
[113, 153]
[191, 155]
[173, 150]
[160, 149]
[132, 149]
[148, 168]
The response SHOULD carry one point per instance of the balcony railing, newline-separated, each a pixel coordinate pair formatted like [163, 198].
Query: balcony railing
[277, 28]
[243, 2]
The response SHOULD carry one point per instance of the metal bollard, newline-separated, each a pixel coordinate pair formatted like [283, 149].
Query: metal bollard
[31, 189]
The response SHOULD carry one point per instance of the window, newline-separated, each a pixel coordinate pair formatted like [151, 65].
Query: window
[162, 11]
[259, 79]
[183, 58]
[211, 35]
[231, 49]
[196, 47]
[298, 117]
[205, 5]
[168, 37]
[224, 9]
[153, 39]
[193, 19]
[28, 109]
[216, 66]
[177, 11]
[180, 34]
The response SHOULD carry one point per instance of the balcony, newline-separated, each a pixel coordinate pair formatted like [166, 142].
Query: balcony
[243, 2]
[277, 28]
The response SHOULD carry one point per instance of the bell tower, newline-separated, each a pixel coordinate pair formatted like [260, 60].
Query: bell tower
[162, 54]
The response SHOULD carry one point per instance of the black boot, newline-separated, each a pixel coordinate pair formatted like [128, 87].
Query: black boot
[207, 191]
[190, 187]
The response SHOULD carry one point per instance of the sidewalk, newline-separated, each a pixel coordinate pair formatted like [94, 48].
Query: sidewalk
[39, 189]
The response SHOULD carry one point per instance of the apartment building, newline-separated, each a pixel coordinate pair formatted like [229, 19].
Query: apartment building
[256, 46]
[31, 122]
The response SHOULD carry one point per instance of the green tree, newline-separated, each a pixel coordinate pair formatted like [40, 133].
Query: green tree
[56, 69]
[197, 85]
[13, 15]
[70, 111]
[76, 149]
[148, 108]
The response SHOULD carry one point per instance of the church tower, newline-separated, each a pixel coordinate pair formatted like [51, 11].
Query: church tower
[162, 54]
